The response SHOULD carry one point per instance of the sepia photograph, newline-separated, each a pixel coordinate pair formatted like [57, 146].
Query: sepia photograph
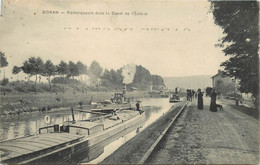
[129, 82]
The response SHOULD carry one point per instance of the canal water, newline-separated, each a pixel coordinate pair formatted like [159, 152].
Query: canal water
[24, 125]
[154, 108]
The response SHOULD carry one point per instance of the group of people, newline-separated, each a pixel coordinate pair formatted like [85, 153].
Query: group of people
[199, 95]
[191, 94]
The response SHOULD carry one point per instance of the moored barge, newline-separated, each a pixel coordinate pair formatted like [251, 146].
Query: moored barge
[71, 142]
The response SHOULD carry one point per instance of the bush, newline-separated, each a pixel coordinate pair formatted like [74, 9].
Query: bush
[5, 89]
[234, 95]
[20, 89]
[45, 88]
[30, 89]
[5, 81]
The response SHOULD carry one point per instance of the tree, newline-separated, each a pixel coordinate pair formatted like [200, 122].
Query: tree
[63, 70]
[112, 79]
[157, 80]
[16, 70]
[73, 70]
[82, 71]
[142, 78]
[95, 71]
[239, 21]
[106, 78]
[4, 62]
[49, 70]
[33, 67]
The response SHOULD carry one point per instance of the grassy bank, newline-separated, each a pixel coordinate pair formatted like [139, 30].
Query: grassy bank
[251, 110]
[29, 102]
[133, 150]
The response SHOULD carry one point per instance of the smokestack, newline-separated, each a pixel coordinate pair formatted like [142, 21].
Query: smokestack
[124, 88]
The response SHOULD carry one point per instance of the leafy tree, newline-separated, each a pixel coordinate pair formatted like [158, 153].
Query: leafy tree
[142, 78]
[95, 71]
[82, 71]
[112, 79]
[63, 69]
[33, 67]
[106, 78]
[16, 70]
[73, 70]
[239, 21]
[3, 61]
[49, 70]
[157, 80]
[5, 81]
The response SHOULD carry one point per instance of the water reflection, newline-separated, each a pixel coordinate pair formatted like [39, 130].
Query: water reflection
[29, 124]
[19, 126]
[109, 149]
[154, 108]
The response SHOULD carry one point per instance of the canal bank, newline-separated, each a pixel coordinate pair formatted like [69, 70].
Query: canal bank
[15, 126]
[205, 137]
[155, 108]
[134, 149]
[24, 104]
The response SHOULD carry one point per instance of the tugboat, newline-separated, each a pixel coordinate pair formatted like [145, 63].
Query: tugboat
[174, 98]
[117, 102]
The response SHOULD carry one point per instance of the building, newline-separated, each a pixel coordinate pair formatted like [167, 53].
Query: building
[224, 84]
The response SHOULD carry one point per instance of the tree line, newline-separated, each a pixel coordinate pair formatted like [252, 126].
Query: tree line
[240, 23]
[73, 73]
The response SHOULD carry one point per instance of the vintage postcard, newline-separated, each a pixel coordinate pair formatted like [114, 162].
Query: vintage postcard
[134, 82]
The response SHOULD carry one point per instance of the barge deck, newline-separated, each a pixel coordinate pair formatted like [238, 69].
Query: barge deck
[64, 143]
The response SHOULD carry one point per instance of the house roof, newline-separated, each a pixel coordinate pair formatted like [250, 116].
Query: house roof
[215, 75]
[219, 73]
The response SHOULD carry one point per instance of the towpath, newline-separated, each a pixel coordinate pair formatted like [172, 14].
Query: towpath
[204, 137]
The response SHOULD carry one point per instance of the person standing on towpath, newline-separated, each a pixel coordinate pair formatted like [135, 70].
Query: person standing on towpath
[137, 106]
[213, 105]
[200, 99]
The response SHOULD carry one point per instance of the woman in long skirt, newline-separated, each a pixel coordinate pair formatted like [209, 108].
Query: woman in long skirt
[213, 105]
[200, 99]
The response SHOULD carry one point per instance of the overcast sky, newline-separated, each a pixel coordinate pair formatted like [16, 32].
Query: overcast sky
[184, 47]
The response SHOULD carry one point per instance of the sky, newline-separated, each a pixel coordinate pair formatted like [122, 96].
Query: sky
[171, 38]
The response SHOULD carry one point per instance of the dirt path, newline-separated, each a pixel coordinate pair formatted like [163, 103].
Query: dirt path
[204, 137]
[133, 150]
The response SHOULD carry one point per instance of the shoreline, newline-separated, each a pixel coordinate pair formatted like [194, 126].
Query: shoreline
[34, 103]
[127, 154]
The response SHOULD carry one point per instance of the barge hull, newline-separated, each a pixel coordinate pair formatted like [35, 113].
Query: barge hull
[76, 150]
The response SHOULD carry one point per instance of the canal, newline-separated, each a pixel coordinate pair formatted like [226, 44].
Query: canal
[24, 125]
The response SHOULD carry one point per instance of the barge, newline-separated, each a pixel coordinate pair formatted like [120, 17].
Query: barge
[71, 142]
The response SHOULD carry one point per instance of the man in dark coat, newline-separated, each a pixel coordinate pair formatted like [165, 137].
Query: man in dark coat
[200, 99]
[137, 106]
[213, 105]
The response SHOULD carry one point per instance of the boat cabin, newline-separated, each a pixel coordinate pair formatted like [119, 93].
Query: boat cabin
[118, 98]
